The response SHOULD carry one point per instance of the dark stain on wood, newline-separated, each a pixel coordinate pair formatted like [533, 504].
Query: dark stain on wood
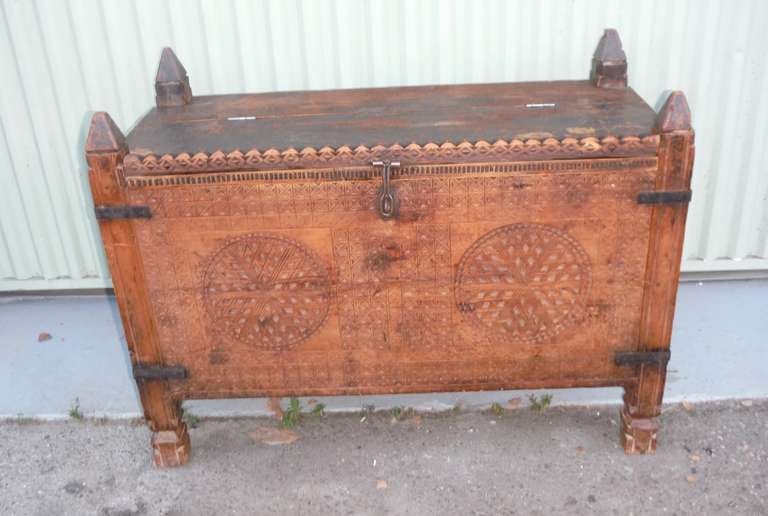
[380, 260]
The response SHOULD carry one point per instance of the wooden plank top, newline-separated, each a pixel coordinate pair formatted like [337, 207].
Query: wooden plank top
[387, 116]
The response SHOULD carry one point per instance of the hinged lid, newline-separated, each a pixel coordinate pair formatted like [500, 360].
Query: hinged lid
[429, 124]
[416, 125]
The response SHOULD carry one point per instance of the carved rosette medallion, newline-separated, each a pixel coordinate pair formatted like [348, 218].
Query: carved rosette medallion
[268, 292]
[523, 282]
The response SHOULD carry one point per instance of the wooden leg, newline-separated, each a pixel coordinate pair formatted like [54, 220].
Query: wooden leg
[642, 397]
[171, 447]
[170, 439]
[642, 406]
[638, 435]
[105, 148]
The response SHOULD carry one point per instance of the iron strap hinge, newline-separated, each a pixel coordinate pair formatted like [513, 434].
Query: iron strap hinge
[159, 372]
[664, 197]
[631, 358]
[122, 211]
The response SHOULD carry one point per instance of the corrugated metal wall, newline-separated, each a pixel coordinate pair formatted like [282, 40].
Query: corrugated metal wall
[60, 60]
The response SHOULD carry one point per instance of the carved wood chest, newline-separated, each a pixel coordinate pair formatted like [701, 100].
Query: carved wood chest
[446, 238]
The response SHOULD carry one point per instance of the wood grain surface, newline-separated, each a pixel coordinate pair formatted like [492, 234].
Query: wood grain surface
[520, 252]
[488, 278]
[386, 116]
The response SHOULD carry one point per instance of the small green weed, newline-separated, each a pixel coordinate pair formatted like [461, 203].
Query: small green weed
[539, 404]
[190, 419]
[367, 410]
[21, 419]
[292, 415]
[318, 409]
[74, 410]
[497, 409]
[400, 413]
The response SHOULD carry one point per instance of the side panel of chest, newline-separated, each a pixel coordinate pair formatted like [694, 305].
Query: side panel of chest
[492, 276]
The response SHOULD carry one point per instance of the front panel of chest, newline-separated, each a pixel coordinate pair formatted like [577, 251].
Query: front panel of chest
[490, 276]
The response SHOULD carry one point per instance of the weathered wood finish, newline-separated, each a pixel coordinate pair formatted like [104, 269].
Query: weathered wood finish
[396, 306]
[171, 82]
[468, 123]
[609, 64]
[643, 397]
[105, 149]
[519, 257]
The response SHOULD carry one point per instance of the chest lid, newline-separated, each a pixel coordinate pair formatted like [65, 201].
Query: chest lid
[420, 124]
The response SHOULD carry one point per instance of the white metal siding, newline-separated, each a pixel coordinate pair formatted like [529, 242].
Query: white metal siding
[62, 60]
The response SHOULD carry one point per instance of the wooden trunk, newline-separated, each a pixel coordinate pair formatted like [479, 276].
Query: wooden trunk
[447, 238]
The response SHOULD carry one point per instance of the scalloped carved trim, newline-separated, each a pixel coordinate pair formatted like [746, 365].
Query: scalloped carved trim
[309, 157]
[408, 171]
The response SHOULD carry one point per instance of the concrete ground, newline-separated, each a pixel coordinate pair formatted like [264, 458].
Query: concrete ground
[712, 459]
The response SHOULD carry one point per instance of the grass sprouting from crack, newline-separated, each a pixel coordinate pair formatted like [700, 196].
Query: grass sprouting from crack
[367, 410]
[190, 419]
[318, 409]
[539, 404]
[292, 415]
[74, 410]
[21, 419]
[400, 413]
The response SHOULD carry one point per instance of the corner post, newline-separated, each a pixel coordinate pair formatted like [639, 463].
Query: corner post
[643, 397]
[609, 63]
[171, 82]
[105, 149]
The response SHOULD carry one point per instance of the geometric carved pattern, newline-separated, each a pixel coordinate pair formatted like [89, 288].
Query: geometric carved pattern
[479, 151]
[364, 173]
[389, 318]
[268, 292]
[394, 290]
[523, 282]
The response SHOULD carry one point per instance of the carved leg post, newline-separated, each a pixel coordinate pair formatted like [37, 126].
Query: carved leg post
[642, 405]
[105, 149]
[638, 435]
[642, 398]
[170, 439]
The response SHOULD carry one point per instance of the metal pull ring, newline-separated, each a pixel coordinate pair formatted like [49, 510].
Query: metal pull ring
[386, 202]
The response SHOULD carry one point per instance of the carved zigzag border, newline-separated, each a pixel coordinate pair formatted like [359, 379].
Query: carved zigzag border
[480, 151]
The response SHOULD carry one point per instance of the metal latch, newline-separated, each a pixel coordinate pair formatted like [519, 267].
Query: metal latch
[386, 201]
[664, 197]
[632, 358]
[122, 211]
[159, 372]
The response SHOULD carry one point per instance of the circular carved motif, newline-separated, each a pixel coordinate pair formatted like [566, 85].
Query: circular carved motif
[266, 291]
[523, 282]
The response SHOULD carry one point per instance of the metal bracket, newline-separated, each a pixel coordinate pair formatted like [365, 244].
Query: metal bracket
[159, 372]
[122, 211]
[631, 358]
[664, 197]
[386, 202]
